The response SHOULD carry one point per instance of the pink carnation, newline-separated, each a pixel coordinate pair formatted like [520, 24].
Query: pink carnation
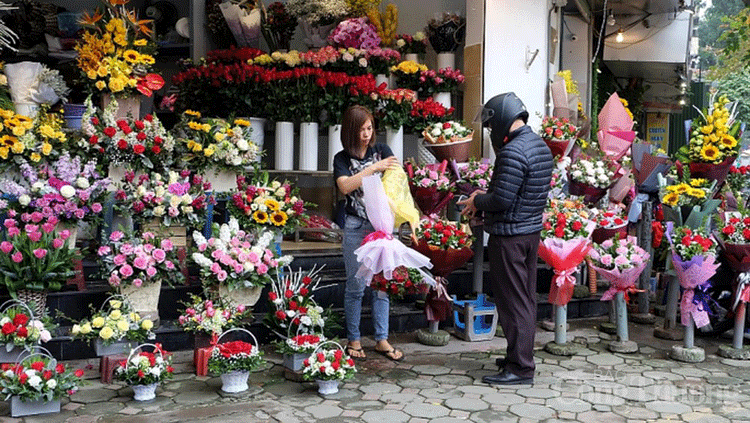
[116, 236]
[119, 260]
[6, 247]
[126, 270]
[17, 257]
[607, 260]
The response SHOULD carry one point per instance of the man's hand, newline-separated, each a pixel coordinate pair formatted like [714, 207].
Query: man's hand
[469, 208]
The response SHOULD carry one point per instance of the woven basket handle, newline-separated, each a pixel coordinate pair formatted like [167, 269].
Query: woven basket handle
[140, 347]
[15, 303]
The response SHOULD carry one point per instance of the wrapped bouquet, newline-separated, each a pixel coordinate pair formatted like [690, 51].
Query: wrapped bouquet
[447, 245]
[621, 261]
[430, 186]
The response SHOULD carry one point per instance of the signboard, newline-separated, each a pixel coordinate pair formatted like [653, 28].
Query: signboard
[657, 129]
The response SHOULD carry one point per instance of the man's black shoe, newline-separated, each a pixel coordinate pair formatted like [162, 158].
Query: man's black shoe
[501, 362]
[507, 378]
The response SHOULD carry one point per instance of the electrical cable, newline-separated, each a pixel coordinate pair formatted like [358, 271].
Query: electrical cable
[600, 40]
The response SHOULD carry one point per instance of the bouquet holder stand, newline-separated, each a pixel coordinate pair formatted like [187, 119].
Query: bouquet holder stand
[670, 331]
[437, 308]
[738, 351]
[643, 233]
[560, 345]
[623, 343]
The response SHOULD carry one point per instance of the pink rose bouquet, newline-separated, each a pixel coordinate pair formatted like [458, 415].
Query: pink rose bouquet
[621, 262]
[139, 260]
[355, 32]
[441, 80]
[382, 59]
[475, 175]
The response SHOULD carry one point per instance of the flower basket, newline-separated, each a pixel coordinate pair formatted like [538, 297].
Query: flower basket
[20, 408]
[237, 296]
[144, 392]
[36, 300]
[144, 299]
[300, 344]
[328, 387]
[22, 327]
[144, 371]
[326, 365]
[590, 194]
[457, 150]
[116, 348]
[444, 261]
[713, 172]
[294, 361]
[238, 362]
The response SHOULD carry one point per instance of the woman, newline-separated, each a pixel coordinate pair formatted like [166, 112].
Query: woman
[361, 157]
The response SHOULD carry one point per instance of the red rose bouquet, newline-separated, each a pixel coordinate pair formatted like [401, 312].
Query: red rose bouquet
[236, 356]
[694, 260]
[733, 235]
[404, 281]
[609, 224]
[446, 244]
[566, 240]
[559, 134]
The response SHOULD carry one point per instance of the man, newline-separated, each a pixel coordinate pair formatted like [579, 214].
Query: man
[513, 209]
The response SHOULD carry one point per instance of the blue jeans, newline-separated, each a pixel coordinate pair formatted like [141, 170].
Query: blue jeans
[355, 230]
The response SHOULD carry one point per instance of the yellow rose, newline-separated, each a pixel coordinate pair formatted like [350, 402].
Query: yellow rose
[147, 324]
[106, 333]
[115, 304]
[91, 74]
[219, 136]
[208, 152]
[123, 325]
[115, 314]
[100, 85]
[18, 147]
[46, 148]
[116, 85]
[35, 157]
[75, 330]
[97, 322]
[86, 328]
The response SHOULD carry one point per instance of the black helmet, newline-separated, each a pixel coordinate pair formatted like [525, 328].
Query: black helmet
[499, 113]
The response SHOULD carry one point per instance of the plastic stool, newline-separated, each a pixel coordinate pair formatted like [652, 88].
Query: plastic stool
[107, 365]
[200, 360]
[469, 319]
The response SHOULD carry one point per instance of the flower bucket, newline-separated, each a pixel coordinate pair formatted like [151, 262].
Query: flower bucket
[456, 150]
[27, 109]
[247, 296]
[334, 143]
[284, 146]
[73, 115]
[443, 98]
[258, 135]
[394, 137]
[144, 392]
[412, 57]
[294, 361]
[20, 408]
[446, 60]
[115, 348]
[234, 382]
[328, 387]
[308, 146]
[144, 299]
[591, 194]
[125, 106]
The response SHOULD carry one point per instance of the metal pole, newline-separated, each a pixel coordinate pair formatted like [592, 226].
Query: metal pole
[739, 325]
[434, 324]
[690, 334]
[670, 320]
[622, 317]
[561, 322]
[478, 281]
[645, 243]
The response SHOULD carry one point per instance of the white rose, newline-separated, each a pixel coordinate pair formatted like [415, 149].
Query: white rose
[51, 384]
[157, 177]
[249, 267]
[68, 191]
[362, 62]
[76, 329]
[37, 186]
[275, 185]
[400, 43]
[243, 145]
[35, 382]
[254, 206]
[45, 336]
[577, 173]
[156, 371]
[187, 209]
[82, 183]
[9, 374]
[278, 301]
[449, 132]
[175, 201]
[173, 177]
[262, 207]
[24, 200]
[140, 191]
[435, 132]
[159, 211]
[236, 160]
[281, 192]
[419, 36]
[291, 313]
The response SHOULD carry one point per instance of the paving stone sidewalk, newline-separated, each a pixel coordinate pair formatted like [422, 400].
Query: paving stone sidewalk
[444, 385]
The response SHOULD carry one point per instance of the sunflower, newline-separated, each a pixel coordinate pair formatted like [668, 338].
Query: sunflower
[195, 126]
[670, 199]
[697, 193]
[698, 182]
[709, 153]
[279, 218]
[272, 204]
[260, 217]
[681, 188]
[241, 122]
[131, 56]
[728, 142]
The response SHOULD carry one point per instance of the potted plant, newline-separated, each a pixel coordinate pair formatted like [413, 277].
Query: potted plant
[20, 330]
[37, 383]
[328, 366]
[234, 361]
[35, 258]
[144, 371]
[113, 326]
[235, 263]
[137, 267]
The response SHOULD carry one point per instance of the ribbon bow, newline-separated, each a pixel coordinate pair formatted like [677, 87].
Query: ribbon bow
[563, 277]
[743, 289]
[375, 236]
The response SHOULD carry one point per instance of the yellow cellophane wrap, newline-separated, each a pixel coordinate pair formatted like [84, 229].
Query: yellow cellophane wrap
[396, 186]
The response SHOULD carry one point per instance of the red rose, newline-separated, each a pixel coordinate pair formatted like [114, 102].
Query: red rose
[746, 234]
[94, 140]
[20, 319]
[293, 305]
[95, 120]
[148, 118]
[560, 232]
[60, 368]
[141, 136]
[158, 140]
[350, 362]
[446, 125]
[321, 357]
[22, 378]
[38, 366]
[139, 124]
[728, 230]
[272, 296]
[335, 365]
[47, 375]
[122, 144]
[141, 374]
[280, 315]
[303, 291]
[619, 221]
[156, 149]
[110, 131]
[78, 373]
[138, 149]
[8, 328]
[170, 369]
[577, 225]
[22, 332]
[306, 280]
[288, 293]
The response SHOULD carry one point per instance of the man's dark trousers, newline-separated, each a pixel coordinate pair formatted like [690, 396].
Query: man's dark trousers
[513, 262]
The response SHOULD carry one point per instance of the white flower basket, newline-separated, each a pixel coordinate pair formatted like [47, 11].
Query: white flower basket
[234, 382]
[144, 299]
[14, 354]
[19, 408]
[328, 387]
[237, 296]
[144, 392]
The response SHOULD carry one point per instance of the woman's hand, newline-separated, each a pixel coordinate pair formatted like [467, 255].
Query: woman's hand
[385, 164]
[469, 209]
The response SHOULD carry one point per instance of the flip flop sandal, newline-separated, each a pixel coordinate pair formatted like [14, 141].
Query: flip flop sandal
[349, 349]
[390, 353]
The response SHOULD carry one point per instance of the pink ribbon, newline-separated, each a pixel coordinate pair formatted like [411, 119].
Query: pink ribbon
[375, 236]
[690, 309]
[563, 277]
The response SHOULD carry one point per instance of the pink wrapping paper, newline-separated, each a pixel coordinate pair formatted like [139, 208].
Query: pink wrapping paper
[622, 281]
[691, 274]
[615, 134]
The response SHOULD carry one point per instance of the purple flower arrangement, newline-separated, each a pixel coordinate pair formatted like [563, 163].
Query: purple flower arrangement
[356, 32]
[139, 260]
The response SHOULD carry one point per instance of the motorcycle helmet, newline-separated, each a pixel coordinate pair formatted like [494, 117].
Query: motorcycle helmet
[499, 113]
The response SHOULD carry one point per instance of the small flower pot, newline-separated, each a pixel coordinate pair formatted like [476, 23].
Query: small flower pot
[328, 387]
[234, 382]
[20, 408]
[294, 361]
[116, 348]
[144, 392]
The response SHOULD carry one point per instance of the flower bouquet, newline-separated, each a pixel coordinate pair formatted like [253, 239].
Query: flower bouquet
[260, 204]
[475, 175]
[733, 235]
[447, 32]
[621, 261]
[444, 80]
[713, 144]
[559, 134]
[356, 33]
[158, 202]
[32, 84]
[566, 240]
[23, 138]
[291, 307]
[328, 366]
[425, 113]
[112, 326]
[448, 140]
[615, 133]
[430, 186]
[411, 44]
[381, 60]
[395, 106]
[688, 202]
[407, 74]
[216, 143]
[590, 178]
[694, 260]
[36, 258]
[115, 55]
[610, 223]
[317, 17]
[20, 330]
[277, 26]
[235, 263]
[404, 281]
[234, 361]
[446, 244]
[143, 371]
[37, 383]
[210, 317]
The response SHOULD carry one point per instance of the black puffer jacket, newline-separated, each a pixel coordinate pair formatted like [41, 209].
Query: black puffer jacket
[520, 182]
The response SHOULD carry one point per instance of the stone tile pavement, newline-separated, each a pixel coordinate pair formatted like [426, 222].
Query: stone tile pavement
[444, 385]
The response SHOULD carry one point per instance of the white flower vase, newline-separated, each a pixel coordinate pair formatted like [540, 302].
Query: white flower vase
[394, 137]
[328, 387]
[446, 60]
[308, 146]
[221, 180]
[284, 145]
[234, 382]
[382, 78]
[334, 143]
[20, 408]
[258, 136]
[144, 299]
[443, 98]
[412, 57]
[144, 392]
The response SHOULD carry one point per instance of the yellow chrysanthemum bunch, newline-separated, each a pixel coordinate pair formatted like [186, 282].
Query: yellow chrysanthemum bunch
[627, 110]
[386, 24]
[359, 8]
[33, 139]
[712, 139]
[115, 53]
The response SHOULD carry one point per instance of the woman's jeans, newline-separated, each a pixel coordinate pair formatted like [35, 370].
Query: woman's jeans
[355, 230]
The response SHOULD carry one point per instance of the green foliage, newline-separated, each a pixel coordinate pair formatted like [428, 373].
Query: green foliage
[737, 86]
[736, 40]
[711, 27]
